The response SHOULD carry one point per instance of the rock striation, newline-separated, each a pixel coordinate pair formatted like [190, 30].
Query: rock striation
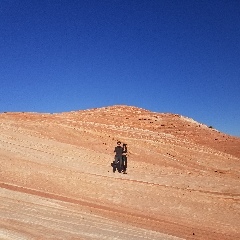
[56, 179]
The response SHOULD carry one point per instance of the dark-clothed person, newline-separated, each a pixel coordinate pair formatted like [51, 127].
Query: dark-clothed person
[124, 158]
[118, 154]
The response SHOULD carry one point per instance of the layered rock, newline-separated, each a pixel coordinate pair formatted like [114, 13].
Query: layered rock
[57, 181]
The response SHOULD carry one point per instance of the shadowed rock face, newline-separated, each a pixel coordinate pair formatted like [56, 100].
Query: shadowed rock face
[56, 179]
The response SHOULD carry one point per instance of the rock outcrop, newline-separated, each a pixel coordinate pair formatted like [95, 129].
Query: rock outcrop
[56, 179]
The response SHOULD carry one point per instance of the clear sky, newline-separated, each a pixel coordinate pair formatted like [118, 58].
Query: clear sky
[175, 56]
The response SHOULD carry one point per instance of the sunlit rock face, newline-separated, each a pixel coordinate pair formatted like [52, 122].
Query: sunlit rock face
[57, 182]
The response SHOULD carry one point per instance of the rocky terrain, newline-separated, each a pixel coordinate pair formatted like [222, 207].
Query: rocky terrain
[56, 179]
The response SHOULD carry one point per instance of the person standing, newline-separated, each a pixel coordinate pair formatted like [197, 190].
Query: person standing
[118, 156]
[124, 158]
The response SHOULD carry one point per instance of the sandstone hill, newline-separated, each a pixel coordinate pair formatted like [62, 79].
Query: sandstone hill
[56, 179]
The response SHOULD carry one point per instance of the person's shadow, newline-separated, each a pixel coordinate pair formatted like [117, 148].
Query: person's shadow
[116, 166]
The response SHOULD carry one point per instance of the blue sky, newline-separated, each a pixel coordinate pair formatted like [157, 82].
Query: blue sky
[179, 56]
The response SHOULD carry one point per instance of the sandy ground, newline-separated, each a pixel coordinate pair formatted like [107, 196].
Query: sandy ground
[56, 179]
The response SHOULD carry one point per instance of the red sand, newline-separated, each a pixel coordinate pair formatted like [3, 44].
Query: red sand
[56, 181]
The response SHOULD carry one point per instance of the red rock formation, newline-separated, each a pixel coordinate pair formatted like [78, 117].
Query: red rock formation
[56, 181]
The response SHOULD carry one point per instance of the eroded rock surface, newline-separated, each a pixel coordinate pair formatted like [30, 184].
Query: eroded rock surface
[56, 179]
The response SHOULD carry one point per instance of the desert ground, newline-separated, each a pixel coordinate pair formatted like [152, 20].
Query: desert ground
[57, 182]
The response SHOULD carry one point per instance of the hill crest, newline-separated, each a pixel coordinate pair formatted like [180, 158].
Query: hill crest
[183, 177]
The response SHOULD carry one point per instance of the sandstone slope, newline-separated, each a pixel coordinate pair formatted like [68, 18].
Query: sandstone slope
[56, 181]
